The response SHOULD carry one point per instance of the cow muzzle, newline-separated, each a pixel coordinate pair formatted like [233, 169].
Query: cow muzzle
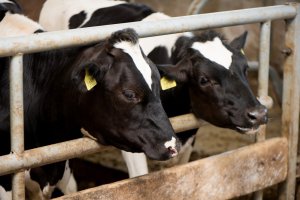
[255, 117]
[163, 151]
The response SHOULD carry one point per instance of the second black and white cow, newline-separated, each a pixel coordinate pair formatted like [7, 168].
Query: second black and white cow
[210, 74]
[109, 89]
[13, 22]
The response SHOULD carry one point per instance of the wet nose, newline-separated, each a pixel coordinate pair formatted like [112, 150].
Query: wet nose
[258, 115]
[172, 151]
[173, 147]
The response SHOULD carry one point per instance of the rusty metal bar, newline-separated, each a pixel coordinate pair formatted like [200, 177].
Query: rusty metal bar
[263, 80]
[185, 122]
[290, 105]
[196, 7]
[59, 39]
[219, 177]
[71, 149]
[48, 154]
[263, 71]
[17, 122]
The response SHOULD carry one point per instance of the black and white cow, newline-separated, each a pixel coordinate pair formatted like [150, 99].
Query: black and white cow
[209, 72]
[13, 22]
[109, 89]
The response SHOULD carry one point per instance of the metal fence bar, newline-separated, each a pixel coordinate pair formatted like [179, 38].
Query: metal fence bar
[17, 122]
[290, 105]
[263, 80]
[196, 7]
[71, 149]
[60, 39]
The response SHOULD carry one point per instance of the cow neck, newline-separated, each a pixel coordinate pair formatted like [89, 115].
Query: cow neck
[176, 101]
[52, 101]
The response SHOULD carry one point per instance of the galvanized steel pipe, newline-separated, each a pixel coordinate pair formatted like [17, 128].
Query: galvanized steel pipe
[263, 71]
[263, 80]
[59, 39]
[290, 103]
[71, 149]
[17, 122]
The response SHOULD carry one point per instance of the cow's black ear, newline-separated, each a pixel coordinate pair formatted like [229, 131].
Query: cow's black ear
[3, 11]
[89, 76]
[179, 72]
[239, 42]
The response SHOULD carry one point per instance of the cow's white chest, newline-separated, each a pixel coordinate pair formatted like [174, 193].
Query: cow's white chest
[215, 51]
[134, 51]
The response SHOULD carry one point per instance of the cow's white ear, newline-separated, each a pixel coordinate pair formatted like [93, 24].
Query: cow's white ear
[239, 42]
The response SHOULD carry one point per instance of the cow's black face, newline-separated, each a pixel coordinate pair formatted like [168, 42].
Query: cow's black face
[121, 106]
[219, 90]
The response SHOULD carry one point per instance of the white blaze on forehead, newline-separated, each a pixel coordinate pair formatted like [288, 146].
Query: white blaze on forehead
[215, 51]
[171, 143]
[135, 53]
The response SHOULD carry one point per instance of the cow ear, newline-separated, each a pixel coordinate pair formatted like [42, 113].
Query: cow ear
[3, 11]
[179, 72]
[89, 76]
[239, 42]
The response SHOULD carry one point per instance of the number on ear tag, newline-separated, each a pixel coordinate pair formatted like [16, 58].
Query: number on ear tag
[166, 83]
[89, 80]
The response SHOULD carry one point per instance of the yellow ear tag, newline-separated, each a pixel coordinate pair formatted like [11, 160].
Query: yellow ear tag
[89, 81]
[166, 83]
[242, 51]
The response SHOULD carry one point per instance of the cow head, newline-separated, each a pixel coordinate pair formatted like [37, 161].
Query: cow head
[120, 102]
[215, 73]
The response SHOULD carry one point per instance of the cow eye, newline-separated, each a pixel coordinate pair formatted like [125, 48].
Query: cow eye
[203, 80]
[131, 96]
[246, 71]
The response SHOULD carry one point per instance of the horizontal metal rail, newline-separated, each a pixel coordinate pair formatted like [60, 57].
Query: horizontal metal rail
[66, 150]
[60, 39]
[219, 177]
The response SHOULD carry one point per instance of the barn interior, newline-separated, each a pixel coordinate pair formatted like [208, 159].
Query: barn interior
[108, 166]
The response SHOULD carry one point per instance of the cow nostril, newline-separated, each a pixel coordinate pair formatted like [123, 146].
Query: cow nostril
[252, 116]
[258, 116]
[172, 151]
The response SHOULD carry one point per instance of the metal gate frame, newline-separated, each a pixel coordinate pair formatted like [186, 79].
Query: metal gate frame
[19, 160]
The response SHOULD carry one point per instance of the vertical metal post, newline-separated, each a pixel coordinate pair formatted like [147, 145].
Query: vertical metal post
[263, 71]
[263, 80]
[196, 7]
[17, 122]
[290, 102]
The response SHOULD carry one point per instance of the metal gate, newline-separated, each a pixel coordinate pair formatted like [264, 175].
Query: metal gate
[272, 161]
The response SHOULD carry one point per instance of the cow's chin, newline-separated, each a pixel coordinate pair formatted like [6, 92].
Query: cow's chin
[248, 131]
